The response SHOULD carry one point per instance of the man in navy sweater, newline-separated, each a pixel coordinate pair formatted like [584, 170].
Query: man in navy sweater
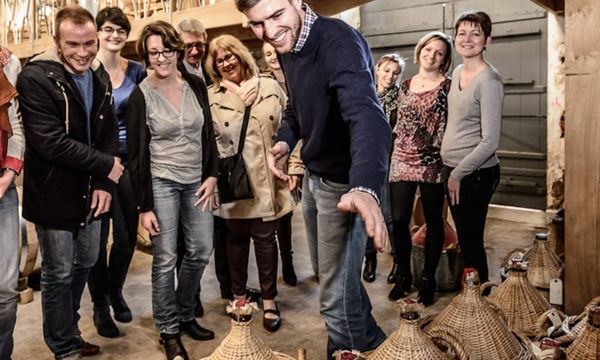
[333, 107]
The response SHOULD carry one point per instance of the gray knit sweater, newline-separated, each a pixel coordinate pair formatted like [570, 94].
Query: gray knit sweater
[474, 121]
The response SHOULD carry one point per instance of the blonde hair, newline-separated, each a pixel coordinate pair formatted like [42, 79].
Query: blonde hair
[392, 57]
[433, 36]
[234, 46]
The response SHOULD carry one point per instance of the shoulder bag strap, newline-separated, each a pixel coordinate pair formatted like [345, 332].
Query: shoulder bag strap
[244, 129]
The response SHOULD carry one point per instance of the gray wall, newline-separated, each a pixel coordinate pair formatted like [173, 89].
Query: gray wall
[518, 52]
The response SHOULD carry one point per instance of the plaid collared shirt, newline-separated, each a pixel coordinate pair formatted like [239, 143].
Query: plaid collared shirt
[309, 19]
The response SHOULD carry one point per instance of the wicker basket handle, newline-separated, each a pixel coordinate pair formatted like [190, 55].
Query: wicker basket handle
[498, 311]
[301, 354]
[486, 285]
[540, 324]
[448, 337]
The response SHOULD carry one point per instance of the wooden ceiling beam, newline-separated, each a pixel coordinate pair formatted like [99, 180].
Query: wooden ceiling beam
[555, 6]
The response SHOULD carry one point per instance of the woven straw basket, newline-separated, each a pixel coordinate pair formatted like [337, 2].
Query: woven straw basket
[520, 301]
[587, 345]
[543, 263]
[243, 343]
[481, 324]
[572, 326]
[410, 342]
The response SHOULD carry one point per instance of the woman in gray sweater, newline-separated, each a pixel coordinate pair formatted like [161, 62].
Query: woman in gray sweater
[472, 137]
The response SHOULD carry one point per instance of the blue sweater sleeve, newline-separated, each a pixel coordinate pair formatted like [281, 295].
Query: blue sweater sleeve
[289, 129]
[349, 66]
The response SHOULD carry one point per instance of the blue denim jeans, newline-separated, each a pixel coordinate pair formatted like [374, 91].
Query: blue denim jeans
[67, 257]
[9, 269]
[174, 204]
[337, 244]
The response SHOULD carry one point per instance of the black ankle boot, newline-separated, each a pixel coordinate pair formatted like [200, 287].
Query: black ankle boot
[173, 347]
[426, 292]
[402, 286]
[288, 272]
[195, 331]
[120, 308]
[370, 267]
[105, 326]
[394, 274]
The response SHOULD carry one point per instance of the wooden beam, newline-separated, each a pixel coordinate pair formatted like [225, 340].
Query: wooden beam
[582, 163]
[555, 6]
[218, 18]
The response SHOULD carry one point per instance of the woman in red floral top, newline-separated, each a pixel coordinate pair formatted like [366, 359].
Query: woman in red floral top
[416, 161]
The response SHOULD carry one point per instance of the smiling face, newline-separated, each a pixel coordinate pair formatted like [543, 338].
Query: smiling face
[470, 40]
[229, 66]
[271, 57]
[162, 60]
[112, 37]
[432, 55]
[77, 45]
[194, 46]
[277, 22]
[387, 74]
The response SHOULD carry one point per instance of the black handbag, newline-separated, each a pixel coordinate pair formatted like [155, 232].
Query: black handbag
[233, 181]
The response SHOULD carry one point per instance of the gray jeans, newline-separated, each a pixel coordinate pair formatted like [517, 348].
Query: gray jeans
[337, 244]
[9, 269]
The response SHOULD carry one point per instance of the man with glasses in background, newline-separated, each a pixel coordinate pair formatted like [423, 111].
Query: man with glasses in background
[194, 36]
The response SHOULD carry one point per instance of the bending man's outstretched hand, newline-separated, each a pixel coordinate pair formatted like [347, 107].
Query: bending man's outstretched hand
[365, 205]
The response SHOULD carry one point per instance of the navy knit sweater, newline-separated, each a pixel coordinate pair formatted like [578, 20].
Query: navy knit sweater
[334, 108]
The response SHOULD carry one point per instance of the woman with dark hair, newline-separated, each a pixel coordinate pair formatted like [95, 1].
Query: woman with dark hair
[237, 88]
[107, 277]
[473, 136]
[173, 164]
[416, 161]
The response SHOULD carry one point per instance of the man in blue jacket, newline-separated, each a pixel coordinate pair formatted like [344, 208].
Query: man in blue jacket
[70, 168]
[333, 108]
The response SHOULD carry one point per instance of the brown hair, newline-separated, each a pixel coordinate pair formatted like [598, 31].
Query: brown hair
[475, 17]
[243, 5]
[433, 36]
[233, 45]
[168, 34]
[75, 13]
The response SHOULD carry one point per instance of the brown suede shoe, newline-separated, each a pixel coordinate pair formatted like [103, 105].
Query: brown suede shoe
[89, 349]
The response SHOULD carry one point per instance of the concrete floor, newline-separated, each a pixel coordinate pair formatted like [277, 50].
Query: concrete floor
[302, 326]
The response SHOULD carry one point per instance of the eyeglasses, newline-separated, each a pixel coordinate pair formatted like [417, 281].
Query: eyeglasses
[110, 30]
[229, 58]
[167, 53]
[198, 45]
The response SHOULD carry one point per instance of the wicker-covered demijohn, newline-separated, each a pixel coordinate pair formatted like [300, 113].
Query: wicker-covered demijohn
[410, 342]
[480, 323]
[587, 345]
[519, 300]
[242, 343]
[572, 326]
[543, 263]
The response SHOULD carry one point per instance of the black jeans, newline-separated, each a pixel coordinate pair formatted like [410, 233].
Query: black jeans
[432, 197]
[108, 275]
[476, 190]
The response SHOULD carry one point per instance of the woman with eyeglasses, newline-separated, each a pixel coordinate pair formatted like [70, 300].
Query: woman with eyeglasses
[173, 164]
[238, 86]
[107, 277]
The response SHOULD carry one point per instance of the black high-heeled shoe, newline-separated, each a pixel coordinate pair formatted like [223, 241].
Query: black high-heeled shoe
[394, 274]
[403, 285]
[427, 292]
[370, 267]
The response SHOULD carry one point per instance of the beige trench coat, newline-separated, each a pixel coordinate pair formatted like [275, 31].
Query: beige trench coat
[271, 196]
